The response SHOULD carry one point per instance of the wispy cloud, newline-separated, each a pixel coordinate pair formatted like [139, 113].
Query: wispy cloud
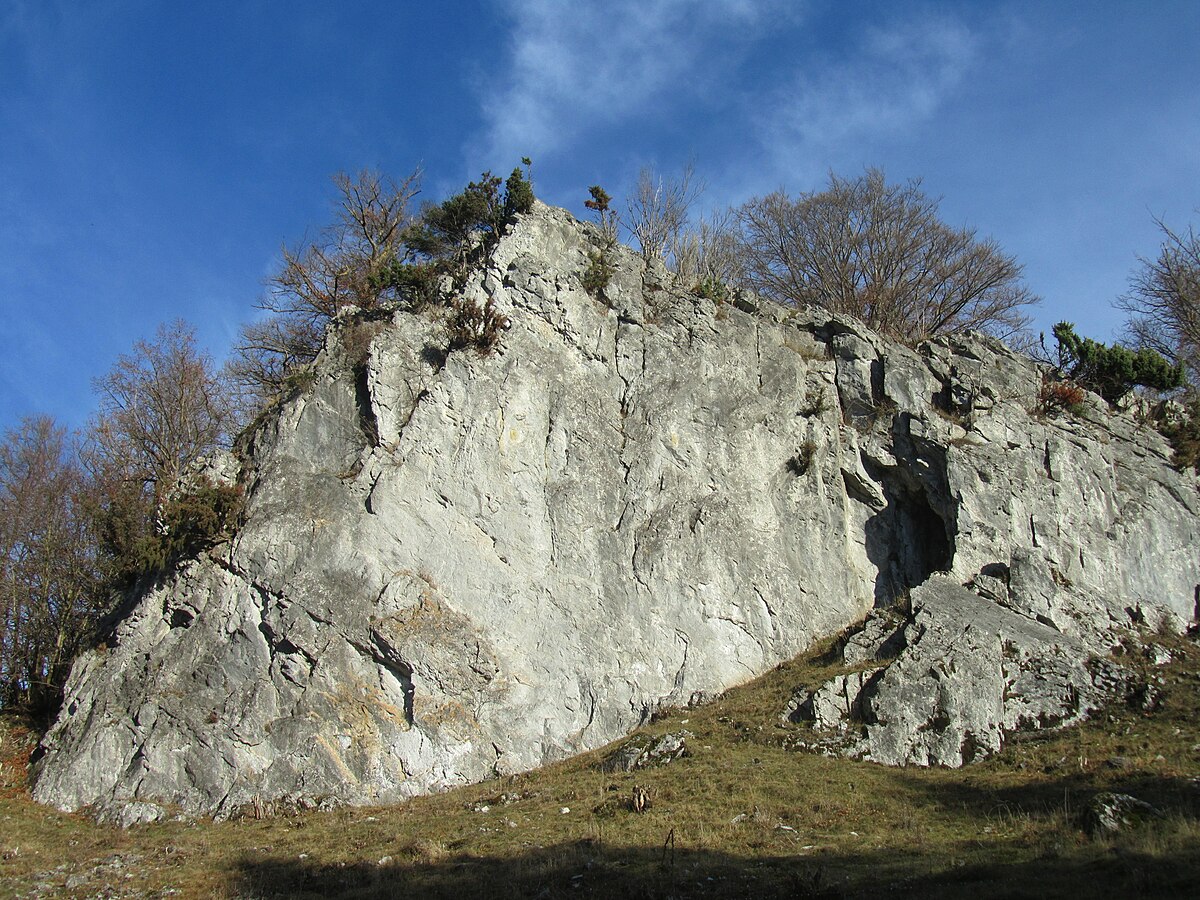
[577, 65]
[894, 80]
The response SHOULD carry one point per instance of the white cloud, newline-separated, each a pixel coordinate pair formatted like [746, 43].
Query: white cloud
[583, 64]
[894, 80]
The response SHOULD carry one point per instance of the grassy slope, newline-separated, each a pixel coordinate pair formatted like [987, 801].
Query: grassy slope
[809, 826]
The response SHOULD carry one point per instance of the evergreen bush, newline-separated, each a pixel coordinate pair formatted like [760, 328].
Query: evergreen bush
[598, 274]
[1114, 371]
[190, 522]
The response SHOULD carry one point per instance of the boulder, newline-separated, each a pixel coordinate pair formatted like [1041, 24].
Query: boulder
[1109, 813]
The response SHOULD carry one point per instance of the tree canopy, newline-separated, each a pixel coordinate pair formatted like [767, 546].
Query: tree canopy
[1163, 301]
[879, 252]
[48, 579]
[343, 267]
[1114, 371]
[161, 406]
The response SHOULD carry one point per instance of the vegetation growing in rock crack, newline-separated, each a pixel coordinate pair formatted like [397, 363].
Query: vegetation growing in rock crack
[345, 266]
[600, 267]
[802, 461]
[82, 520]
[85, 518]
[472, 325]
[1055, 395]
[598, 274]
[712, 289]
[600, 202]
[194, 519]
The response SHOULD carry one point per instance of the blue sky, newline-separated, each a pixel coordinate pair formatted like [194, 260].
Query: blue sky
[154, 156]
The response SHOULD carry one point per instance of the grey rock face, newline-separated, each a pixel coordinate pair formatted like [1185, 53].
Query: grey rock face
[1060, 532]
[453, 566]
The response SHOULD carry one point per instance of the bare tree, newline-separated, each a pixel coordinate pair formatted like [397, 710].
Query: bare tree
[344, 267]
[161, 407]
[659, 211]
[268, 351]
[1163, 301]
[710, 251]
[48, 595]
[879, 252]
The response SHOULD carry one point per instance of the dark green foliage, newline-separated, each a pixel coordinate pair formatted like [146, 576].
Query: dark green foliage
[518, 195]
[606, 216]
[713, 289]
[190, 523]
[600, 199]
[598, 274]
[476, 216]
[1184, 434]
[121, 518]
[1112, 371]
[415, 283]
[344, 267]
[298, 381]
[451, 239]
[800, 463]
[446, 230]
[447, 242]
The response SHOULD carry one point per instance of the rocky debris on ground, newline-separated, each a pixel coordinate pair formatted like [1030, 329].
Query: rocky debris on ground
[1109, 813]
[643, 750]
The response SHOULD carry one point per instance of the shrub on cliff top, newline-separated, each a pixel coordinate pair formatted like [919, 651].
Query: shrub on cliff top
[1112, 372]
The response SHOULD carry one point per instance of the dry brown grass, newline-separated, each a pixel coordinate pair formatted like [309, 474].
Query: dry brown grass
[741, 816]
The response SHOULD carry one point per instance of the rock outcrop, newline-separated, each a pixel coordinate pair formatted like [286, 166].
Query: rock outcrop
[454, 565]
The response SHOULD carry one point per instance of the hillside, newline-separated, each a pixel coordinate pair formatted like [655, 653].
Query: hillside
[744, 814]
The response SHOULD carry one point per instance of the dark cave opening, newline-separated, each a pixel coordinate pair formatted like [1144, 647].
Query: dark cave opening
[912, 537]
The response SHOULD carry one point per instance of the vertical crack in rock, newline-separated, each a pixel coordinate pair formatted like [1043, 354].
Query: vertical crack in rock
[367, 420]
[388, 657]
[681, 672]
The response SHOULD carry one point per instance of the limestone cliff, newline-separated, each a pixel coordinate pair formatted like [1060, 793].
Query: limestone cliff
[455, 565]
